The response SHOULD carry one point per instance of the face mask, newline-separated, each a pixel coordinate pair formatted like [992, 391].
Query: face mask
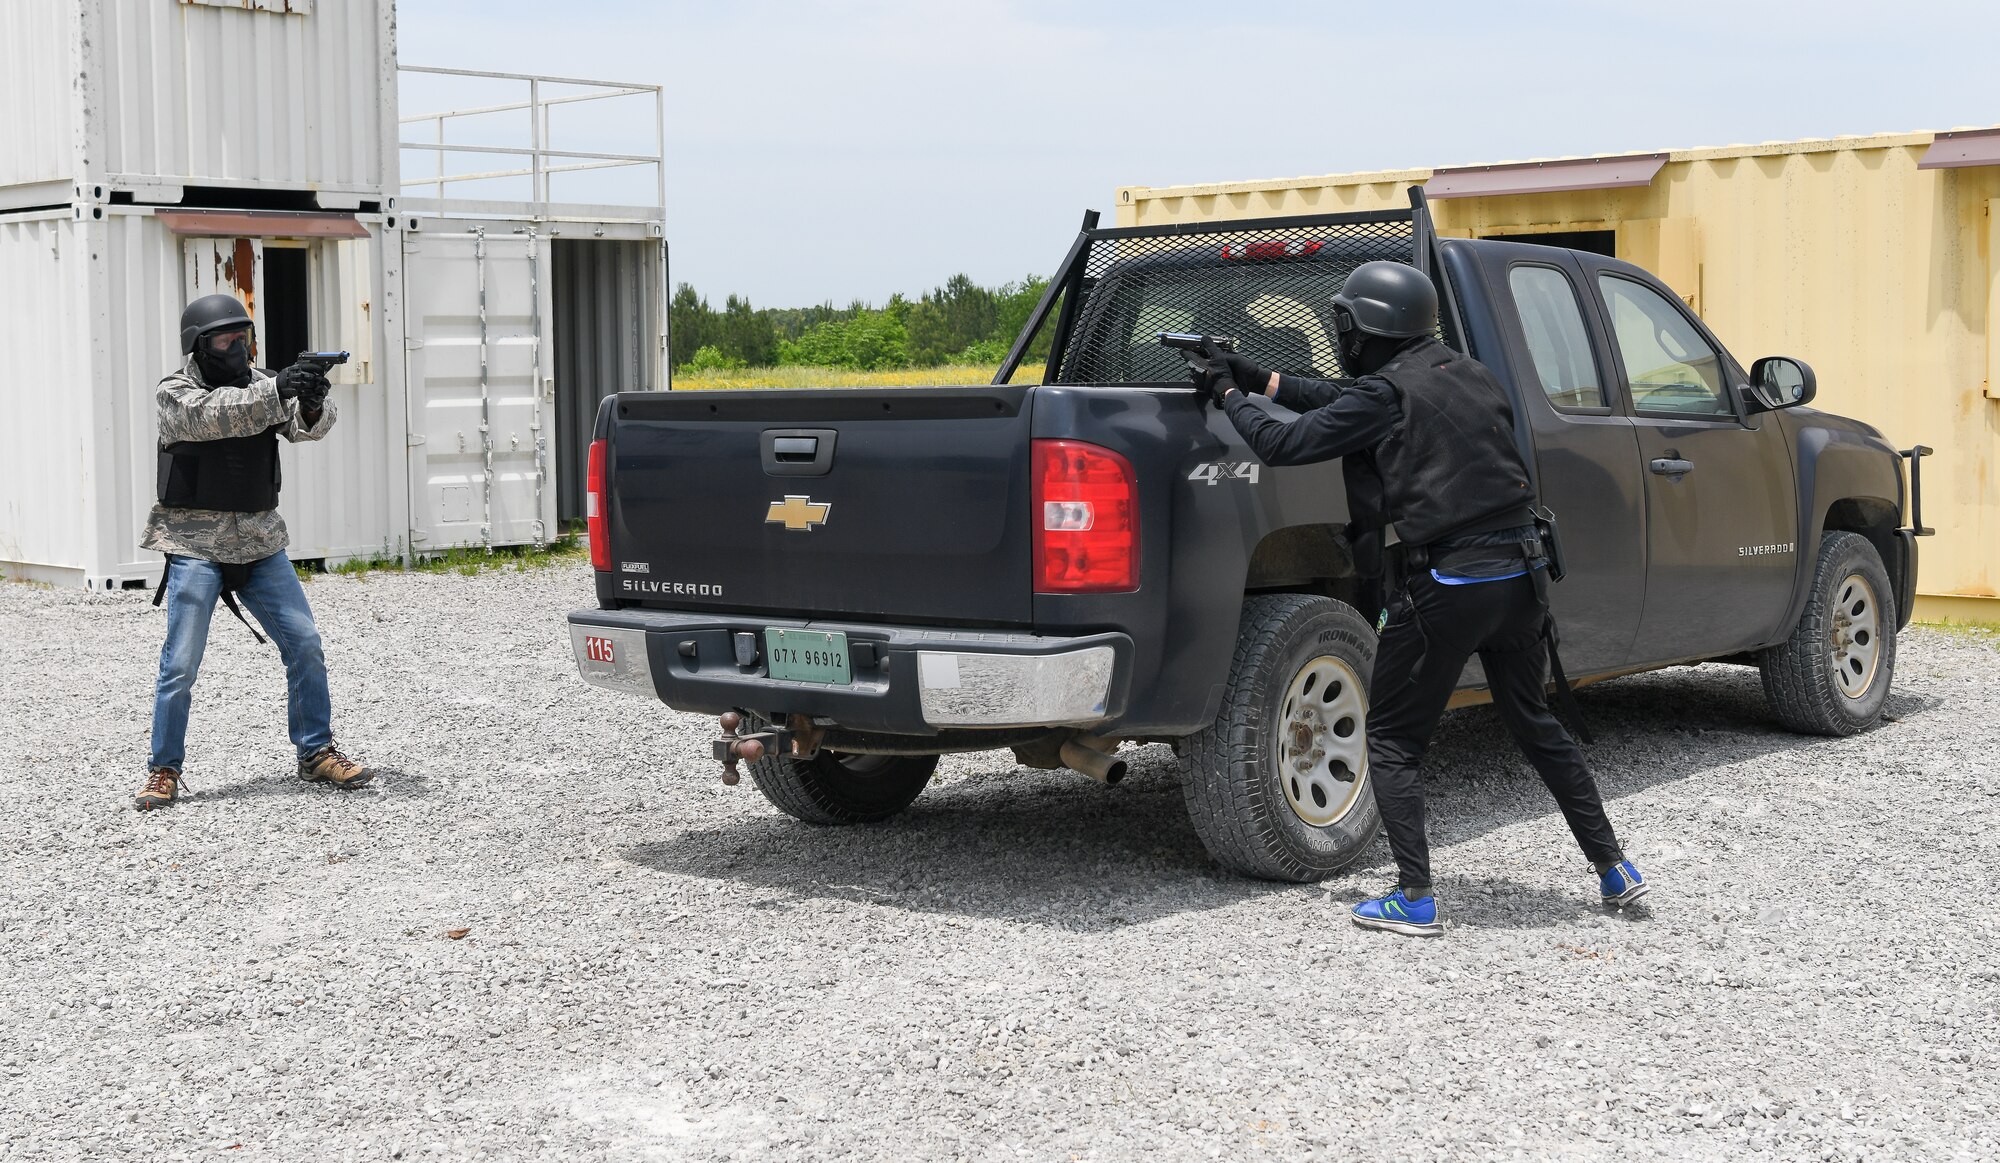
[1371, 353]
[227, 368]
[1353, 348]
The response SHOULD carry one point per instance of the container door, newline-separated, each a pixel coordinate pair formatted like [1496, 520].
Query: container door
[480, 414]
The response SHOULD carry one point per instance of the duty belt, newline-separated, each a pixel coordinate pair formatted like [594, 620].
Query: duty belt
[1540, 547]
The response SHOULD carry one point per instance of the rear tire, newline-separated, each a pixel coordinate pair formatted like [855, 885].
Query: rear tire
[837, 788]
[1277, 786]
[1832, 676]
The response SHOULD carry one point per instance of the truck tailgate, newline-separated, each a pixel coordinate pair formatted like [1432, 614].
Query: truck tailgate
[910, 503]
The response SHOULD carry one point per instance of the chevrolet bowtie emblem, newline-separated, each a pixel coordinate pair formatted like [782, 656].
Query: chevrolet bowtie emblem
[799, 514]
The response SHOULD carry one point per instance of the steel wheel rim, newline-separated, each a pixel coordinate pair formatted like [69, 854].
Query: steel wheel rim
[1854, 637]
[1321, 745]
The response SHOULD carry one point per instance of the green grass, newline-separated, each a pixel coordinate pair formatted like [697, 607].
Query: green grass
[468, 561]
[956, 375]
[1980, 632]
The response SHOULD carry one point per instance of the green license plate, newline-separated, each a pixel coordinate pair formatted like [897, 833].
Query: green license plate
[807, 656]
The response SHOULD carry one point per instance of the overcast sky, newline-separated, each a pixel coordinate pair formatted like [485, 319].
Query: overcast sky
[831, 151]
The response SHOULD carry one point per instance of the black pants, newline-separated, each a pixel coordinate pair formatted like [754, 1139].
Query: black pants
[1433, 628]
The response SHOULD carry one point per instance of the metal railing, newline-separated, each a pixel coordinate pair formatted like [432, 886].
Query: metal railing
[542, 161]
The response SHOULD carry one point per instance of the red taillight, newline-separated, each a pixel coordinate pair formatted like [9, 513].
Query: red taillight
[594, 510]
[1086, 519]
[1295, 248]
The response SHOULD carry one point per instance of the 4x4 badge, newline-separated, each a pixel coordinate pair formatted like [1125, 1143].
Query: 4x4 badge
[799, 514]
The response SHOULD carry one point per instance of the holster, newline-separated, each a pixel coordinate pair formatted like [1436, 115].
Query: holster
[1543, 555]
[1552, 545]
[235, 575]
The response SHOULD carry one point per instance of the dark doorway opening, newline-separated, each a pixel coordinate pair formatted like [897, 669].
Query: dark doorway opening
[287, 303]
[605, 298]
[1604, 242]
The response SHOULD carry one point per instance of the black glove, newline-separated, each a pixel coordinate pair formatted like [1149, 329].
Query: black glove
[1212, 379]
[1209, 378]
[1248, 376]
[313, 398]
[301, 379]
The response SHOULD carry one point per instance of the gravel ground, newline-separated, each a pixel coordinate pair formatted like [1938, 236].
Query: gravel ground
[1026, 965]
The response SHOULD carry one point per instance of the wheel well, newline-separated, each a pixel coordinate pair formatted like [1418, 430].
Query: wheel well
[1306, 559]
[1872, 518]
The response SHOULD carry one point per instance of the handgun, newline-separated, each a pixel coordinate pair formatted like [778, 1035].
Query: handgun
[1197, 350]
[1190, 345]
[322, 360]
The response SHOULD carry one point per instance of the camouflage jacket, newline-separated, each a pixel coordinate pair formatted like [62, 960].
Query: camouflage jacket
[189, 409]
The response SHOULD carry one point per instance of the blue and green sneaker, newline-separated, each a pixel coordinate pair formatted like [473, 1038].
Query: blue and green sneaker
[1621, 884]
[1400, 914]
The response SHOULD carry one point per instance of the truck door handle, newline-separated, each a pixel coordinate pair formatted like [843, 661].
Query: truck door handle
[1671, 467]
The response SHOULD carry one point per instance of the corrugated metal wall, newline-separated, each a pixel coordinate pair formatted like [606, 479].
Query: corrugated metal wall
[44, 447]
[136, 335]
[38, 141]
[607, 311]
[206, 95]
[1885, 277]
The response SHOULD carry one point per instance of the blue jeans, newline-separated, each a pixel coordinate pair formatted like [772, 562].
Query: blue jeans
[275, 598]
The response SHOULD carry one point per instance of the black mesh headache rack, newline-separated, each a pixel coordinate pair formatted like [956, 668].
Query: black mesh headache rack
[1269, 282]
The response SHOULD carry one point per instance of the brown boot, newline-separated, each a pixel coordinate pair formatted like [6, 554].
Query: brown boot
[328, 765]
[163, 787]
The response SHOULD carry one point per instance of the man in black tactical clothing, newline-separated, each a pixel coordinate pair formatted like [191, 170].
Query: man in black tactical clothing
[1428, 437]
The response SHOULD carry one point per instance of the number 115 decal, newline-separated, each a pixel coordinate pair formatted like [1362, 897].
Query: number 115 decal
[1217, 471]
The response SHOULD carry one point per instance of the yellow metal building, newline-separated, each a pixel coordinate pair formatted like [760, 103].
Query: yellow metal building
[1875, 259]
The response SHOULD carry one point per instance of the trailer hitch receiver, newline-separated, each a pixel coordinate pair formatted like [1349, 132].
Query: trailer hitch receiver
[799, 739]
[749, 746]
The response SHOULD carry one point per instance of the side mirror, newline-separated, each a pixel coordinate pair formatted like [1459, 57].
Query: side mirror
[1779, 381]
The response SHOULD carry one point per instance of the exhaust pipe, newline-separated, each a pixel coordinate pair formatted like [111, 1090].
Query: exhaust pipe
[1103, 768]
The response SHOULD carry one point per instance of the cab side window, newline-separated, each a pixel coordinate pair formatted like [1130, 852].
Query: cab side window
[1558, 345]
[1670, 367]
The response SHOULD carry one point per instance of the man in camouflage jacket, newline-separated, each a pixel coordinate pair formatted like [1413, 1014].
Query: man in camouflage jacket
[218, 525]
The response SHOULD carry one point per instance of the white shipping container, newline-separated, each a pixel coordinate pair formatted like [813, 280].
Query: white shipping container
[148, 148]
[144, 96]
[433, 399]
[516, 330]
[98, 300]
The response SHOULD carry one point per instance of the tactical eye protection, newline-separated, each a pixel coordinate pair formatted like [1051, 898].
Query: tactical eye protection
[224, 340]
[1343, 319]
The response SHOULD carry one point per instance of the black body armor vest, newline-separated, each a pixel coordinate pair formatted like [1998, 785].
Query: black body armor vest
[236, 475]
[1452, 466]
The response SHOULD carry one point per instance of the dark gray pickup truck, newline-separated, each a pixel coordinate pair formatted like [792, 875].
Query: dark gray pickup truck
[861, 580]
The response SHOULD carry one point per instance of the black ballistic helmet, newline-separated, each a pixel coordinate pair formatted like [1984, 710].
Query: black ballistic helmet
[1390, 299]
[211, 313]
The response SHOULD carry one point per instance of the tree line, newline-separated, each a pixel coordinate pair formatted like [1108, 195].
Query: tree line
[958, 323]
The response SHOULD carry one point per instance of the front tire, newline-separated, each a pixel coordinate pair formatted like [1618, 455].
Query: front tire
[834, 787]
[1277, 786]
[1832, 676]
